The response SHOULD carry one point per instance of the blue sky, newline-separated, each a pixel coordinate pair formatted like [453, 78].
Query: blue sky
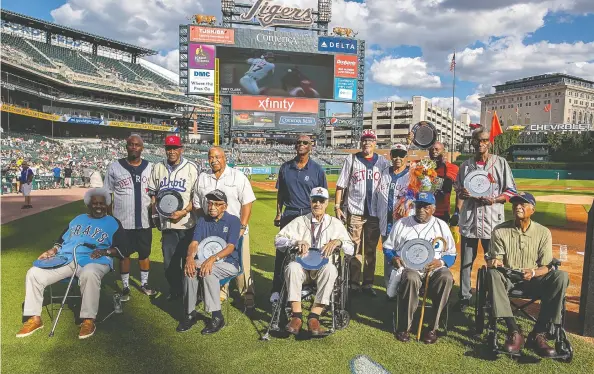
[408, 47]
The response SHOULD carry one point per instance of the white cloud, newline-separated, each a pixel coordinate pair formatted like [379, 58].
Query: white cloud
[169, 61]
[403, 72]
[470, 105]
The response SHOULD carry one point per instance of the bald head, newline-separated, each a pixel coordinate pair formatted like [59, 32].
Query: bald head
[217, 159]
[436, 152]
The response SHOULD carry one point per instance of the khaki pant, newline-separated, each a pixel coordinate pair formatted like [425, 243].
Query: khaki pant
[549, 288]
[365, 233]
[212, 302]
[295, 276]
[245, 284]
[89, 278]
[440, 285]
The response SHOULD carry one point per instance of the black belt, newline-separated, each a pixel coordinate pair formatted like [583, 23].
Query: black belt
[302, 211]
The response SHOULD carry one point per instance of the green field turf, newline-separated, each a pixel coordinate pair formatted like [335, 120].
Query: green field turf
[143, 338]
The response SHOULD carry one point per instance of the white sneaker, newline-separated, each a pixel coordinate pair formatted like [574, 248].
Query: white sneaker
[274, 297]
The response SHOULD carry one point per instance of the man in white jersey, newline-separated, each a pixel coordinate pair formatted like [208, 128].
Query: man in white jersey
[260, 68]
[240, 197]
[360, 176]
[423, 225]
[176, 174]
[127, 178]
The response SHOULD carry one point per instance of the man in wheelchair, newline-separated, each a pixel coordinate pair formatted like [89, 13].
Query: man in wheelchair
[524, 245]
[437, 273]
[314, 231]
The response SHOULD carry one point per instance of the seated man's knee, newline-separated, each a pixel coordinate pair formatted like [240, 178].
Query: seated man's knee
[33, 274]
[560, 278]
[331, 270]
[411, 276]
[445, 276]
[292, 269]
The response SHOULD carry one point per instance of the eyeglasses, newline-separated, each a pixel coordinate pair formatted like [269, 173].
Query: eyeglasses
[216, 203]
[302, 142]
[398, 153]
[482, 140]
[320, 200]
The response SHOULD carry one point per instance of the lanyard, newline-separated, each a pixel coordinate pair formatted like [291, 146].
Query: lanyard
[314, 238]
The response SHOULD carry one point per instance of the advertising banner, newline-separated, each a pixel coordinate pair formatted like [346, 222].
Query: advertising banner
[276, 40]
[82, 120]
[143, 126]
[267, 135]
[295, 121]
[29, 112]
[559, 127]
[254, 119]
[201, 56]
[212, 35]
[274, 104]
[346, 66]
[263, 72]
[261, 170]
[201, 81]
[271, 120]
[345, 89]
[334, 44]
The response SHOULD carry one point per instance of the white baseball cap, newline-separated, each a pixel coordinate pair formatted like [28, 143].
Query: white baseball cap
[319, 192]
[400, 146]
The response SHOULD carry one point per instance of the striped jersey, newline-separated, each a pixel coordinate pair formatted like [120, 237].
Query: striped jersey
[181, 178]
[129, 185]
[364, 179]
[387, 197]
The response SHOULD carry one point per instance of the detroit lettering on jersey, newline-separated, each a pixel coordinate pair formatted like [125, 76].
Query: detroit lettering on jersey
[367, 174]
[128, 181]
[176, 184]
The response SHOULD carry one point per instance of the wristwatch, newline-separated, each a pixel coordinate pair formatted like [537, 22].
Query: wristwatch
[243, 227]
[217, 258]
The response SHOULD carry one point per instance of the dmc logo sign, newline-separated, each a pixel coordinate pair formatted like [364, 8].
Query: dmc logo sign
[202, 74]
[346, 63]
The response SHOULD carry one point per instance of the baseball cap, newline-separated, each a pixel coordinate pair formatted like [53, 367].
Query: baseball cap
[425, 198]
[173, 141]
[368, 134]
[399, 146]
[523, 197]
[216, 195]
[319, 192]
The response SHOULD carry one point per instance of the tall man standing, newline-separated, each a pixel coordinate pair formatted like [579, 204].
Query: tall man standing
[177, 174]
[360, 176]
[240, 197]
[296, 179]
[479, 215]
[128, 178]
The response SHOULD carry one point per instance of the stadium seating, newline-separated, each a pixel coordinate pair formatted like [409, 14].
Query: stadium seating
[148, 75]
[24, 46]
[67, 56]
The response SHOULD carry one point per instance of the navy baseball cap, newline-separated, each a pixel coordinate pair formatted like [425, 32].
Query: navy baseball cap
[216, 195]
[425, 198]
[523, 197]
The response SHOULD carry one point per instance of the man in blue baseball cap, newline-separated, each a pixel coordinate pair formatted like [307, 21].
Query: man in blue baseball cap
[423, 225]
[525, 245]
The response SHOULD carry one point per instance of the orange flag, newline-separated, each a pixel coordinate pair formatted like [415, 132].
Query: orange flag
[495, 128]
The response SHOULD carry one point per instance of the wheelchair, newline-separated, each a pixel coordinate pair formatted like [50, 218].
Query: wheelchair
[339, 301]
[484, 318]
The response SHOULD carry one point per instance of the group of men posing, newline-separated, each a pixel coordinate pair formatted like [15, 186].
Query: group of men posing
[368, 200]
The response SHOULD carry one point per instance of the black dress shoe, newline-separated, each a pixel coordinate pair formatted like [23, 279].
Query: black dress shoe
[213, 325]
[403, 336]
[186, 323]
[430, 337]
[463, 304]
[369, 291]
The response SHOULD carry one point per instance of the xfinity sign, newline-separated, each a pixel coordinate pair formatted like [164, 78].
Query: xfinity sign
[337, 45]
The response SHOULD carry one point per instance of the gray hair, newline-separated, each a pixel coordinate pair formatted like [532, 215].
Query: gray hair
[479, 131]
[97, 192]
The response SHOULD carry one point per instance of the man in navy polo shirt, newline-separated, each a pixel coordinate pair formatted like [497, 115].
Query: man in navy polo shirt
[219, 266]
[296, 179]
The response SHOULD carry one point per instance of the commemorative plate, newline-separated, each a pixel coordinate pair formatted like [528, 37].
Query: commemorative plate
[168, 202]
[313, 260]
[209, 247]
[51, 263]
[424, 134]
[477, 182]
[417, 253]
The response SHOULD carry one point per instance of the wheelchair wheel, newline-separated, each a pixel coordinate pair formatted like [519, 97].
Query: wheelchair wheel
[480, 302]
[342, 319]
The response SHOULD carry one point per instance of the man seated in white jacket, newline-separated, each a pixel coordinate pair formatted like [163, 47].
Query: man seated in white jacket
[315, 230]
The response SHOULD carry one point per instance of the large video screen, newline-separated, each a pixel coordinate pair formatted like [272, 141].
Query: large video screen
[285, 74]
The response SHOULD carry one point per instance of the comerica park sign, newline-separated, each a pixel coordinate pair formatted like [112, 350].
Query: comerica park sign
[559, 127]
[269, 14]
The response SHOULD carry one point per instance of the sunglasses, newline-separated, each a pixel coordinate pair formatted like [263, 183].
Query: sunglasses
[318, 200]
[302, 142]
[398, 153]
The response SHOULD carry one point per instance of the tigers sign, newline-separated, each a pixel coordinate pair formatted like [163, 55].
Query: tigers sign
[269, 14]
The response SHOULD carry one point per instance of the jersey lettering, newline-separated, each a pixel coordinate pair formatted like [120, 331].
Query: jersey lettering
[177, 184]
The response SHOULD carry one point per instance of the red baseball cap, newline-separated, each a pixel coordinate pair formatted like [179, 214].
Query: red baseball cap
[173, 141]
[368, 134]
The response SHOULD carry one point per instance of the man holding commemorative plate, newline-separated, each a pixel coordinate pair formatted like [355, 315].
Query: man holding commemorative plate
[420, 247]
[212, 256]
[316, 235]
[485, 182]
